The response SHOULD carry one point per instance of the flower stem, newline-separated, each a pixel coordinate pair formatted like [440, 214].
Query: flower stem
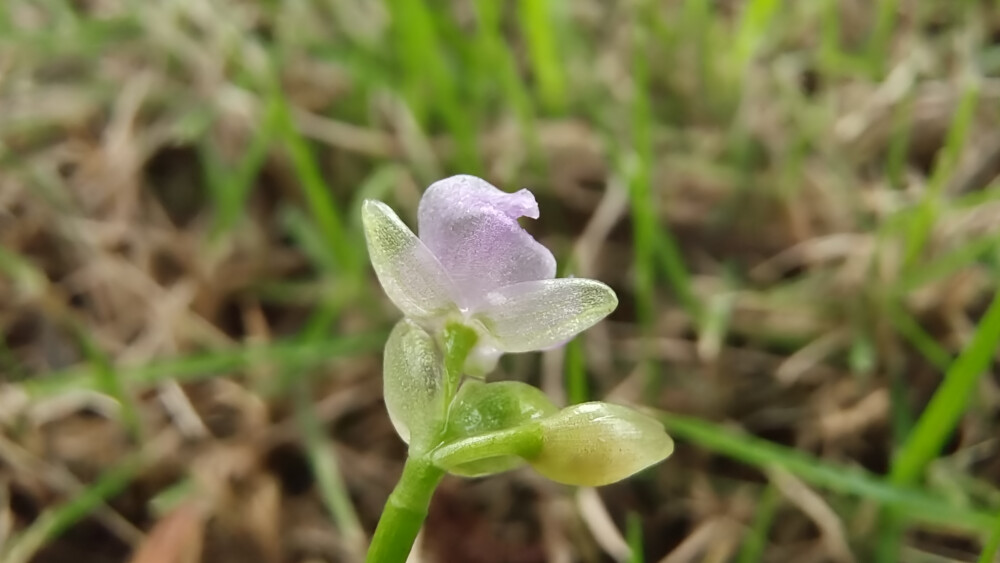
[522, 441]
[458, 342]
[406, 509]
[404, 512]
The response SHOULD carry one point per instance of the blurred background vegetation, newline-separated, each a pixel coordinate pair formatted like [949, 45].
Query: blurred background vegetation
[797, 202]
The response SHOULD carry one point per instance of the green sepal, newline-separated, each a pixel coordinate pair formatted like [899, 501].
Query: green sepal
[486, 408]
[413, 385]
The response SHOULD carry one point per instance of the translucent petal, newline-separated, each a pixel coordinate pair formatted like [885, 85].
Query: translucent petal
[594, 444]
[411, 276]
[541, 314]
[471, 227]
[412, 382]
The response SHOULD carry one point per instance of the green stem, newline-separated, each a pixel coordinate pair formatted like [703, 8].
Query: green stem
[404, 512]
[522, 441]
[406, 509]
[458, 343]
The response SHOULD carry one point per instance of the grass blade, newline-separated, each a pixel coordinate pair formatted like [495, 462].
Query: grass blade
[295, 353]
[633, 532]
[57, 520]
[949, 401]
[538, 26]
[915, 503]
[321, 455]
[926, 212]
[756, 539]
[320, 201]
[989, 554]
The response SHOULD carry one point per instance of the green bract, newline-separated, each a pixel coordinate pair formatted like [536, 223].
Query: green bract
[413, 384]
[481, 408]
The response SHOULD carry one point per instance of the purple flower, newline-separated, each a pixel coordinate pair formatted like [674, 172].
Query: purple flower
[474, 264]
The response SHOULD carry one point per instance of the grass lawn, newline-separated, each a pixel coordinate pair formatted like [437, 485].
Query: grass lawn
[797, 203]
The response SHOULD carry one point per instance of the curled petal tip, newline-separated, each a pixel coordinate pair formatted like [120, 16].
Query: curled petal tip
[522, 204]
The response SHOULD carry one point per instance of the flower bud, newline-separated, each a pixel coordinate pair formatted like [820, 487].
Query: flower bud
[480, 408]
[596, 443]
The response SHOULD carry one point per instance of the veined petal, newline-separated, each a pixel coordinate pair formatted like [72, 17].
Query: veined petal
[409, 273]
[539, 314]
[412, 382]
[471, 227]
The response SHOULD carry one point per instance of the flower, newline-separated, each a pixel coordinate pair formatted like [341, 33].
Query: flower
[474, 264]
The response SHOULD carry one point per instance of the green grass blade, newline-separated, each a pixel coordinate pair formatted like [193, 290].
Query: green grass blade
[495, 54]
[230, 188]
[949, 401]
[323, 460]
[111, 383]
[307, 237]
[539, 28]
[427, 80]
[907, 326]
[989, 554]
[638, 175]
[878, 43]
[957, 260]
[756, 539]
[322, 206]
[60, 518]
[923, 221]
[754, 26]
[916, 504]
[295, 353]
[633, 534]
[676, 273]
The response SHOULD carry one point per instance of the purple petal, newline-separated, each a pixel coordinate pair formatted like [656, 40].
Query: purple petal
[471, 226]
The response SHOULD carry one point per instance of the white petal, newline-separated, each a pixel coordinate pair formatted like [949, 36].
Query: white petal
[541, 314]
[411, 276]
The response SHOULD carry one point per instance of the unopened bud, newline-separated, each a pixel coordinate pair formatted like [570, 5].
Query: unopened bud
[594, 444]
